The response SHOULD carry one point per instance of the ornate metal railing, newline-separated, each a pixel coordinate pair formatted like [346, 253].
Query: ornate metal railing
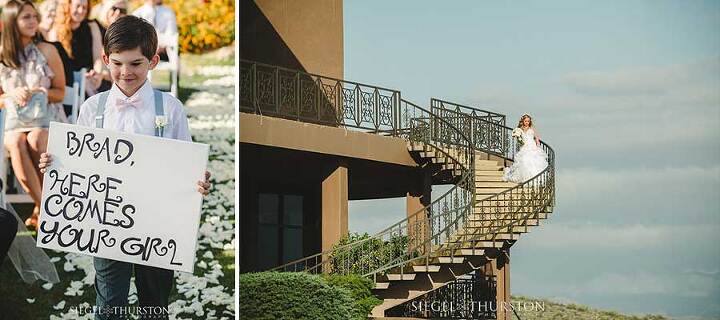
[485, 128]
[513, 207]
[421, 233]
[453, 132]
[488, 116]
[416, 240]
[470, 297]
[296, 95]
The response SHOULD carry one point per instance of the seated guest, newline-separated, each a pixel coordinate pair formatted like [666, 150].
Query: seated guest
[47, 16]
[163, 19]
[32, 85]
[111, 10]
[82, 40]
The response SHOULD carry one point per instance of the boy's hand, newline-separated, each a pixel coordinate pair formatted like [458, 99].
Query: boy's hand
[203, 186]
[45, 162]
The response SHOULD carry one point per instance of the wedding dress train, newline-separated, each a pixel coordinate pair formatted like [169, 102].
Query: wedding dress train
[529, 160]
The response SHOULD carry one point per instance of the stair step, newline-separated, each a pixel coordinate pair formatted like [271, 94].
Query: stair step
[450, 166]
[485, 222]
[450, 260]
[495, 211]
[428, 154]
[486, 191]
[381, 285]
[477, 244]
[400, 277]
[494, 184]
[504, 236]
[515, 229]
[485, 162]
[487, 173]
[489, 244]
[531, 220]
[492, 204]
[416, 146]
[470, 252]
[499, 236]
[481, 179]
[485, 167]
[429, 268]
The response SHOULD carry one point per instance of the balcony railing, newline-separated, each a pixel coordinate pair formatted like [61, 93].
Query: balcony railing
[454, 131]
[292, 94]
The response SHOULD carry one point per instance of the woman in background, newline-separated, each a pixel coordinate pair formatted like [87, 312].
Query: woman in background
[47, 16]
[82, 40]
[111, 10]
[32, 85]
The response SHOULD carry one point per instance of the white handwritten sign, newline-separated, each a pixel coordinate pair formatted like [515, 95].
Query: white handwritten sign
[122, 196]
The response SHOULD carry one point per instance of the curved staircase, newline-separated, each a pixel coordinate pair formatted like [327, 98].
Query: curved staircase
[475, 222]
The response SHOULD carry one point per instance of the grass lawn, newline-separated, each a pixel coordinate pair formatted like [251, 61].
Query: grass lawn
[209, 292]
[528, 308]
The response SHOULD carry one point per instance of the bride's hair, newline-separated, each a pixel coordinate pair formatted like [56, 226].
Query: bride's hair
[522, 118]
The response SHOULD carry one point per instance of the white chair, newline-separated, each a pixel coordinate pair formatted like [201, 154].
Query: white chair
[75, 95]
[172, 48]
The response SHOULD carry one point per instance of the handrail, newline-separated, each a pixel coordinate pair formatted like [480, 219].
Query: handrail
[500, 213]
[296, 95]
[418, 126]
[544, 180]
[489, 115]
[474, 237]
[452, 131]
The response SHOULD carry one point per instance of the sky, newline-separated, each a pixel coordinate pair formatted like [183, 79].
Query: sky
[628, 95]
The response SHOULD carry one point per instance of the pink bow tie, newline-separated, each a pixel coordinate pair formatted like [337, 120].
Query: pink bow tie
[129, 102]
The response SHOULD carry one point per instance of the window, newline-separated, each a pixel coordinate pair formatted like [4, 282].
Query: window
[280, 229]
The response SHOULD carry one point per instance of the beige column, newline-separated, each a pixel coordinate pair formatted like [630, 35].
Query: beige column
[334, 207]
[415, 201]
[501, 267]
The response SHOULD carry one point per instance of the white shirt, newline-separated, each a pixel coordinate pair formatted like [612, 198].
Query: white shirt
[139, 120]
[161, 17]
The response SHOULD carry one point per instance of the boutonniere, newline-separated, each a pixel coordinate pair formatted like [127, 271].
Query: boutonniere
[160, 123]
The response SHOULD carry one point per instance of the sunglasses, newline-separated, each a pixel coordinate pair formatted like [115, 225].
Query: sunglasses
[122, 10]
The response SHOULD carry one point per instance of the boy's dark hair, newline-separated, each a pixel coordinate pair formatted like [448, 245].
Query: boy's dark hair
[128, 33]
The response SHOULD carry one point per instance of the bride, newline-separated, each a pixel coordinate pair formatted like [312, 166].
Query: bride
[531, 159]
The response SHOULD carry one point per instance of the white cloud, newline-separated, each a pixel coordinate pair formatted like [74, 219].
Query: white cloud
[601, 184]
[658, 109]
[600, 237]
[698, 77]
[643, 283]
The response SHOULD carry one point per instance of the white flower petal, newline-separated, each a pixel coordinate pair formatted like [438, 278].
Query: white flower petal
[68, 267]
[60, 305]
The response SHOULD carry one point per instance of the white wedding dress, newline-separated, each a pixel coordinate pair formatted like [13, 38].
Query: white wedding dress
[529, 160]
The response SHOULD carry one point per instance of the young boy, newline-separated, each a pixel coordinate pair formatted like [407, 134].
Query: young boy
[130, 46]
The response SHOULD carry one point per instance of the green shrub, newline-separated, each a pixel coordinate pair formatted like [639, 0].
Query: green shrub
[360, 291]
[368, 256]
[292, 295]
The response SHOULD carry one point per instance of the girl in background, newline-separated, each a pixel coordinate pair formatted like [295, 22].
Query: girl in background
[32, 85]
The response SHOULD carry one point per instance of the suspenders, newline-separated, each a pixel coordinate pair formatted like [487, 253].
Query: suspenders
[159, 110]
